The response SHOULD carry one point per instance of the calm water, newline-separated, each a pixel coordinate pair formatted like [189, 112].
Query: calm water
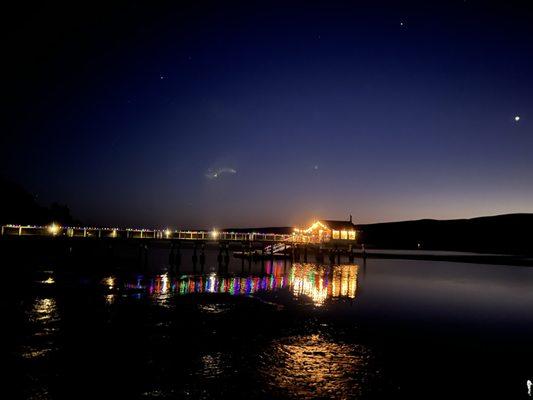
[380, 329]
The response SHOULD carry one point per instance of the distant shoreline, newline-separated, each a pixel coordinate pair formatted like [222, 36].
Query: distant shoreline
[451, 256]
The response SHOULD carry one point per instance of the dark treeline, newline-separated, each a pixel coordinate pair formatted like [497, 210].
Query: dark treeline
[510, 233]
[18, 206]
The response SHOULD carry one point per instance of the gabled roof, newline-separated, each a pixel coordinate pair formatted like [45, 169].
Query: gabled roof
[338, 225]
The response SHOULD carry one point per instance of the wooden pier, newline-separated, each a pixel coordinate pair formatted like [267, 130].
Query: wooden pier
[102, 245]
[336, 233]
[146, 234]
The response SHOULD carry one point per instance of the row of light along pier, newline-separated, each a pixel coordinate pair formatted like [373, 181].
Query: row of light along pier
[249, 244]
[117, 233]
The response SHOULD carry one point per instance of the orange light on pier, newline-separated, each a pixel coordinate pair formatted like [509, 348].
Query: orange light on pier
[54, 229]
[316, 224]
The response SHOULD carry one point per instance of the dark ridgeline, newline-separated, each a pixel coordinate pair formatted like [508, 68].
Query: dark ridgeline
[510, 233]
[18, 206]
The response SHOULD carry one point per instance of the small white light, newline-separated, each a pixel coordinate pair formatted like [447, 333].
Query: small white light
[517, 118]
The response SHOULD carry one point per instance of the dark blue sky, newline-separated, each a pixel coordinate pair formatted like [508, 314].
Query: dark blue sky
[386, 110]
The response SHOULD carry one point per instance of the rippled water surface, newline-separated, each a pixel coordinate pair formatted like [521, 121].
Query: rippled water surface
[374, 329]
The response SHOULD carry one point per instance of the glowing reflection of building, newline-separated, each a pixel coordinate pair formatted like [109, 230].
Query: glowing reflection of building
[318, 283]
[109, 282]
[48, 281]
[310, 282]
[314, 366]
[321, 283]
[344, 281]
[110, 298]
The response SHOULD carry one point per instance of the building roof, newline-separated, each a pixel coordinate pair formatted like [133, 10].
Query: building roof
[338, 225]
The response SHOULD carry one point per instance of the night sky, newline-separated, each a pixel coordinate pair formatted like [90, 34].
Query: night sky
[263, 113]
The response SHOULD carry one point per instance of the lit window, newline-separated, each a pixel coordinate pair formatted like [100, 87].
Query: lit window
[351, 235]
[335, 234]
[344, 235]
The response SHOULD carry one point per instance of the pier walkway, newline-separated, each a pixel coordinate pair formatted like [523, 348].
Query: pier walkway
[147, 234]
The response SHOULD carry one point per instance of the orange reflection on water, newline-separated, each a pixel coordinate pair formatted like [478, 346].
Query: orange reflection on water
[344, 281]
[313, 366]
[320, 283]
[43, 318]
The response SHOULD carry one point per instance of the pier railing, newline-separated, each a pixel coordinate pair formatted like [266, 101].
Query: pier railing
[93, 232]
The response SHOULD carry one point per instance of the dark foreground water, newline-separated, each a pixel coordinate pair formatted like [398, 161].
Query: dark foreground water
[381, 329]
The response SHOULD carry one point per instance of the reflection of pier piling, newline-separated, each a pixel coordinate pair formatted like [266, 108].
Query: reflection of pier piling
[171, 256]
[219, 258]
[143, 256]
[194, 257]
[177, 258]
[319, 255]
[226, 256]
[202, 257]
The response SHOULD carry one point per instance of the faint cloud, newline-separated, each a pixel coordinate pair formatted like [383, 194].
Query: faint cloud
[213, 173]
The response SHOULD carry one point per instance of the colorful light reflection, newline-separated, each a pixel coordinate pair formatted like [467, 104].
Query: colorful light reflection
[315, 282]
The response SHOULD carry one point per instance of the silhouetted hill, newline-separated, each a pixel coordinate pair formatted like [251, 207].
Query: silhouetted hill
[17, 206]
[510, 233]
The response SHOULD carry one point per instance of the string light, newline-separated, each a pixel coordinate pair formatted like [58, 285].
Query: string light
[297, 235]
